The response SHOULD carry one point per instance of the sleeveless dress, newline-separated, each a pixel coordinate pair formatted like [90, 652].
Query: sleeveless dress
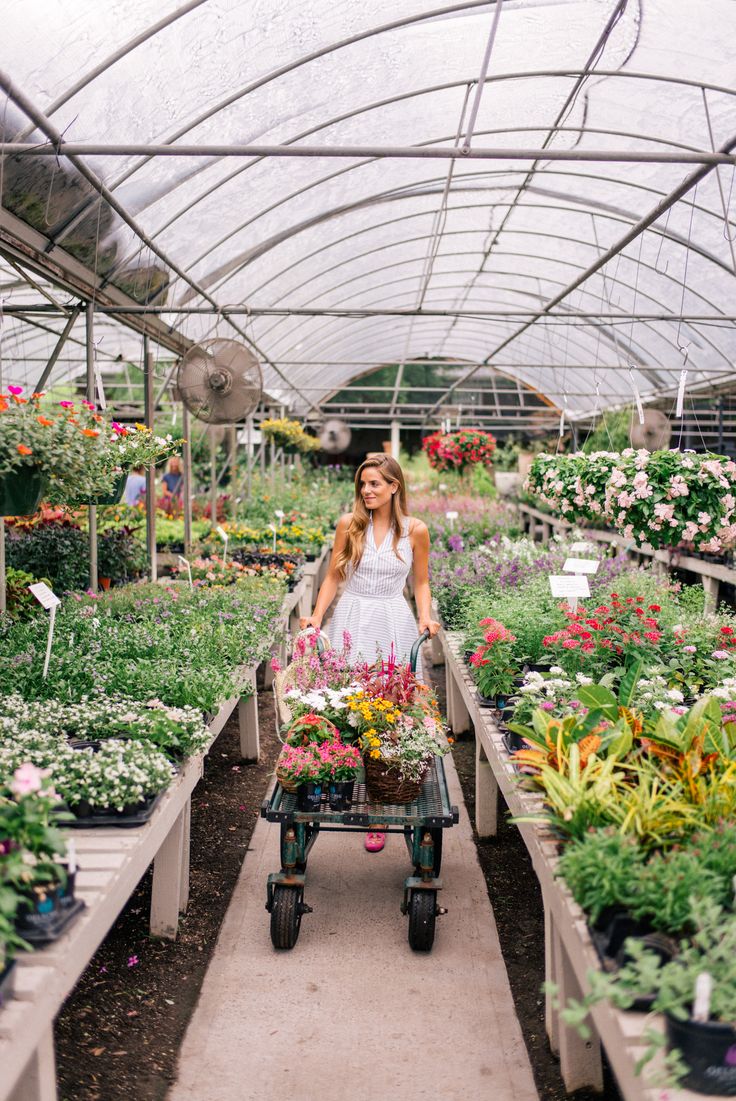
[372, 608]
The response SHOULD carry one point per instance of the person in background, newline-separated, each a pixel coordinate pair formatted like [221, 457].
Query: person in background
[135, 486]
[174, 477]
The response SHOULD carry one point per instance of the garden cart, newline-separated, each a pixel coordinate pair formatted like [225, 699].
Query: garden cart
[421, 822]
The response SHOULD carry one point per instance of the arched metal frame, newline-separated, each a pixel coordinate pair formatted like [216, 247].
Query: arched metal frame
[393, 331]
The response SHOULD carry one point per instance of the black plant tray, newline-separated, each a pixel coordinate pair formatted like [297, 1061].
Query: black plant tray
[128, 819]
[53, 925]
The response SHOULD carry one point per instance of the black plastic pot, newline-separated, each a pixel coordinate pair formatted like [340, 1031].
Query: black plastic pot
[610, 934]
[486, 701]
[43, 917]
[709, 1051]
[87, 816]
[309, 796]
[341, 794]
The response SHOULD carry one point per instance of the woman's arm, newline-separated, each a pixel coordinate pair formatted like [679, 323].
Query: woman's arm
[420, 546]
[328, 588]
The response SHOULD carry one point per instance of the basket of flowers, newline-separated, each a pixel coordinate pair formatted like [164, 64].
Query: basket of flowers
[398, 744]
[314, 681]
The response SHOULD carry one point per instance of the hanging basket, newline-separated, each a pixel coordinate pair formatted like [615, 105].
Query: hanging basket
[386, 786]
[21, 491]
[114, 497]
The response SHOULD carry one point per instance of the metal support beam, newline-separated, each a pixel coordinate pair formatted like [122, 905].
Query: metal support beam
[57, 349]
[187, 488]
[92, 511]
[661, 208]
[148, 420]
[60, 148]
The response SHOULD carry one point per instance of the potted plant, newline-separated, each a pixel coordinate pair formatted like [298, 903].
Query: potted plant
[494, 665]
[300, 771]
[41, 447]
[398, 746]
[342, 764]
[461, 450]
[696, 991]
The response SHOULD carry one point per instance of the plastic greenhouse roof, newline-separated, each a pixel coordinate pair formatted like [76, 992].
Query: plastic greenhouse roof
[484, 259]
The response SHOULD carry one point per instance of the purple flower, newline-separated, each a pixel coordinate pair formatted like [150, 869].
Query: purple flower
[720, 655]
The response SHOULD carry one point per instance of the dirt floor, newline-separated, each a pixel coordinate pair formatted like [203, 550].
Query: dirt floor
[119, 1032]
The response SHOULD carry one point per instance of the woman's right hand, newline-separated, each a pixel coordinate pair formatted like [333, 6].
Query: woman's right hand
[310, 621]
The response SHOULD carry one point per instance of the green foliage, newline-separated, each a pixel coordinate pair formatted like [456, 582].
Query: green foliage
[20, 603]
[611, 433]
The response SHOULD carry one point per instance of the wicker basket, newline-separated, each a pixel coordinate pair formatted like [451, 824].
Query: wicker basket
[284, 680]
[385, 785]
[287, 783]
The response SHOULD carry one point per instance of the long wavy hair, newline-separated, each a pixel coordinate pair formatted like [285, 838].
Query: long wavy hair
[352, 552]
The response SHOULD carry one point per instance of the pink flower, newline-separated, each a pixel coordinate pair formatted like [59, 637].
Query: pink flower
[547, 705]
[27, 779]
[720, 655]
[690, 649]
[133, 961]
[66, 404]
[15, 390]
[570, 644]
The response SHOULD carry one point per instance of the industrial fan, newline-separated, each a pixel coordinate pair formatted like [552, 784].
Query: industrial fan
[654, 434]
[219, 381]
[335, 436]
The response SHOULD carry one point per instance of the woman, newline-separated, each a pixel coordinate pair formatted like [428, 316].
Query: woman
[376, 546]
[173, 477]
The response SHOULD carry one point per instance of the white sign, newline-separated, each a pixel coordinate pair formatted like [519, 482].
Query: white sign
[581, 565]
[569, 585]
[274, 529]
[582, 548]
[279, 512]
[185, 562]
[224, 536]
[452, 515]
[47, 599]
[43, 594]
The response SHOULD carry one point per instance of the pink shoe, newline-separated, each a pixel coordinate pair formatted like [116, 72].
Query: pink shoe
[374, 841]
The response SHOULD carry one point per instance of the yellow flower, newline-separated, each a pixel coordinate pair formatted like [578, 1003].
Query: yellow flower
[376, 743]
[371, 733]
[375, 754]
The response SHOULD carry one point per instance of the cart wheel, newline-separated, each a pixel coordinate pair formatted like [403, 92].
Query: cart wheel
[422, 914]
[300, 866]
[286, 916]
[437, 835]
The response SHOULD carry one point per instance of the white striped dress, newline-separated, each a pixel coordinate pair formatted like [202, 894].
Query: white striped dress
[372, 607]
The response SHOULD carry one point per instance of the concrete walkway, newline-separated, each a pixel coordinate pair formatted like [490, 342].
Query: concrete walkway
[351, 1013]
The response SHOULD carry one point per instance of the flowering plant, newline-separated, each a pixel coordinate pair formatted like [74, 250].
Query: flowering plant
[617, 633]
[311, 728]
[117, 775]
[126, 447]
[311, 669]
[573, 486]
[493, 660]
[215, 571]
[329, 703]
[405, 745]
[46, 438]
[459, 450]
[285, 432]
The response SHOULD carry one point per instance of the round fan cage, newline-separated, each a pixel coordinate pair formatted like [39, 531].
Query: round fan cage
[220, 381]
[335, 436]
[654, 434]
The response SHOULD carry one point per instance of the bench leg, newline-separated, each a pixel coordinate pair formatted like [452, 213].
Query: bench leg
[250, 742]
[39, 1078]
[486, 794]
[457, 713]
[580, 1060]
[551, 1015]
[711, 586]
[185, 854]
[168, 871]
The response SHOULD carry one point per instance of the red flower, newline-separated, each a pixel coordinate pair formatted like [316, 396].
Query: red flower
[654, 608]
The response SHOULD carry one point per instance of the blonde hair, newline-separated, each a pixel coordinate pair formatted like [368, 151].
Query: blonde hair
[352, 552]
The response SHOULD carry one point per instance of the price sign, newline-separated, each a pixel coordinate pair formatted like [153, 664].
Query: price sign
[185, 562]
[569, 585]
[49, 600]
[581, 565]
[43, 594]
[452, 517]
[274, 529]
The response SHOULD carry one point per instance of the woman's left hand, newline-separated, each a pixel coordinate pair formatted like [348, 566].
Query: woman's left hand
[430, 625]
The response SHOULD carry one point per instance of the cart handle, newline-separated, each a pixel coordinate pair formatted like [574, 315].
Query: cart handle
[415, 649]
[323, 640]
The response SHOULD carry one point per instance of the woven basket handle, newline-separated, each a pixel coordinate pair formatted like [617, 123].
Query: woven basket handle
[323, 640]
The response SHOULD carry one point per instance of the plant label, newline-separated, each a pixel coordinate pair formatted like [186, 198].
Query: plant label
[581, 565]
[573, 585]
[43, 594]
[185, 562]
[279, 513]
[222, 533]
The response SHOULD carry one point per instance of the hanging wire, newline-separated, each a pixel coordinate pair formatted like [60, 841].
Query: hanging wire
[724, 207]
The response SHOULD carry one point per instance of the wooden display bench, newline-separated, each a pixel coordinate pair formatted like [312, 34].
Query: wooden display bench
[711, 574]
[111, 863]
[569, 952]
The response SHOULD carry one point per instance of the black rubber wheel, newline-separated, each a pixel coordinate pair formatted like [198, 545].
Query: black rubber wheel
[286, 916]
[300, 867]
[422, 917]
[437, 835]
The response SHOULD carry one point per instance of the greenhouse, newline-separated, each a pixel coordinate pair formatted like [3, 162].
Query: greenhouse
[367, 550]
